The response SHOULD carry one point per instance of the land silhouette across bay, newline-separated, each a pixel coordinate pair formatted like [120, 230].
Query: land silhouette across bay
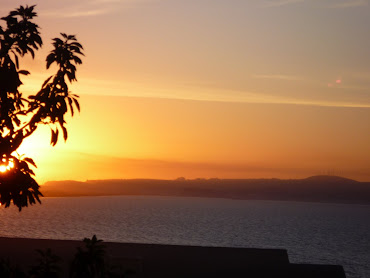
[330, 189]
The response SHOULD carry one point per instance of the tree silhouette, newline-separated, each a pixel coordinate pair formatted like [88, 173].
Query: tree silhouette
[19, 116]
[47, 265]
[89, 261]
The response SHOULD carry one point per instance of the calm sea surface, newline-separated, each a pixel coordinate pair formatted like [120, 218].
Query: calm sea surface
[312, 233]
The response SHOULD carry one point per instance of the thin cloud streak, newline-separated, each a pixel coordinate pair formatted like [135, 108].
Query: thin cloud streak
[351, 4]
[95, 8]
[365, 76]
[70, 14]
[208, 94]
[110, 167]
[88, 13]
[276, 76]
[279, 3]
[123, 1]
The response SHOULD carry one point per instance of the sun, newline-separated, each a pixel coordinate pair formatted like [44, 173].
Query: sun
[4, 168]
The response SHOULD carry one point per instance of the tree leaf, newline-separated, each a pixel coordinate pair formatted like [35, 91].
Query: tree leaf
[77, 104]
[54, 137]
[65, 133]
[24, 72]
[70, 102]
[30, 161]
[46, 81]
[16, 60]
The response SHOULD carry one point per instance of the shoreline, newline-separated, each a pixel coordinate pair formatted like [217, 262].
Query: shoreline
[219, 198]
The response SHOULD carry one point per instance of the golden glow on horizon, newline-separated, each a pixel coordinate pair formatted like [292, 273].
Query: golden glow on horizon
[161, 138]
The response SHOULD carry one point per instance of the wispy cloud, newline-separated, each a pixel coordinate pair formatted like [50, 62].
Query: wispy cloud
[277, 77]
[68, 14]
[364, 75]
[140, 90]
[279, 3]
[124, 1]
[92, 8]
[351, 4]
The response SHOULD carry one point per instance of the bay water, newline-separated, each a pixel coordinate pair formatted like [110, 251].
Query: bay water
[316, 233]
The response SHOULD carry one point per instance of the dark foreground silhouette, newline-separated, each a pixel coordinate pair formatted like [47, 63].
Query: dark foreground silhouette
[20, 117]
[94, 259]
[313, 189]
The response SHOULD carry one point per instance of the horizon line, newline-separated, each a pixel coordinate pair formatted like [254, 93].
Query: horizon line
[199, 178]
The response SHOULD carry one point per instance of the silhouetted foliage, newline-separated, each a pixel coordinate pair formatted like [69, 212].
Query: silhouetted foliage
[89, 261]
[7, 270]
[48, 265]
[20, 117]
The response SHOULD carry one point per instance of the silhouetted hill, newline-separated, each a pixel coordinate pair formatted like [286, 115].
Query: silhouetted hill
[329, 179]
[312, 189]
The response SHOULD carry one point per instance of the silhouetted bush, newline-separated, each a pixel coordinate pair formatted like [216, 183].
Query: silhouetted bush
[89, 261]
[48, 265]
[7, 270]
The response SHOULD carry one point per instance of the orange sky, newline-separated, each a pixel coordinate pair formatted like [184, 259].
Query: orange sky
[204, 88]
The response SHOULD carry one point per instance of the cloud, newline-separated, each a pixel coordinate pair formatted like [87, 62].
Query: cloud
[277, 77]
[365, 75]
[214, 94]
[279, 3]
[68, 14]
[94, 166]
[351, 4]
[123, 1]
[92, 8]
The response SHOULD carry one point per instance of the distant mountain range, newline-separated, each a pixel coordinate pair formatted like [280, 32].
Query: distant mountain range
[313, 189]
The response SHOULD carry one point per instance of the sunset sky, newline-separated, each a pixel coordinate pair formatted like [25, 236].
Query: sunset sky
[209, 88]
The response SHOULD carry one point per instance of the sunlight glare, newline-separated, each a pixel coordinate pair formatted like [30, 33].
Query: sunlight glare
[4, 168]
